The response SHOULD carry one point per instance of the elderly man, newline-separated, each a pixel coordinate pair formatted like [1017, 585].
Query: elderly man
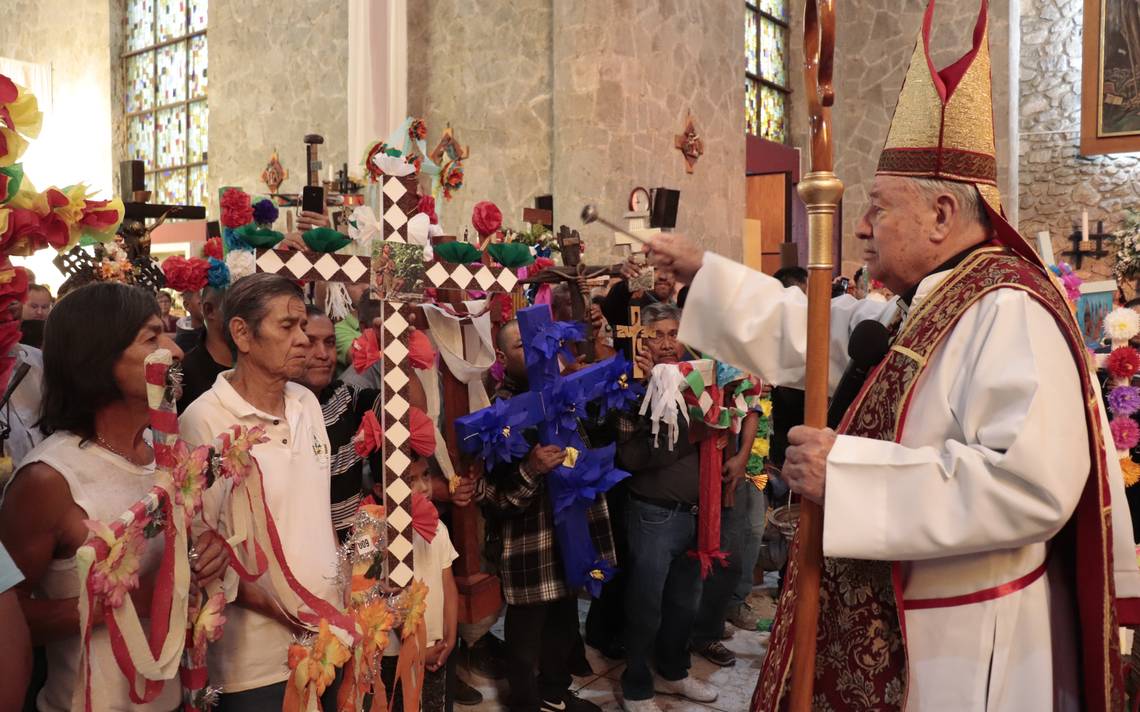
[264, 318]
[969, 480]
[663, 583]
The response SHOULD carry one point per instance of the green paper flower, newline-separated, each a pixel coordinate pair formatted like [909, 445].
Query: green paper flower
[457, 252]
[511, 254]
[256, 236]
[325, 239]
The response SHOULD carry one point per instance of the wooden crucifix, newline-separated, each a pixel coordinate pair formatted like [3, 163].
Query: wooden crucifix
[636, 333]
[570, 245]
[1078, 238]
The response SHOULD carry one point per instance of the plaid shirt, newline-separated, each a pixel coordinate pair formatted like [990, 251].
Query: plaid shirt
[520, 522]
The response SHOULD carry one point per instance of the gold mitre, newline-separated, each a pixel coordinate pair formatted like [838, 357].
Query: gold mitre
[943, 127]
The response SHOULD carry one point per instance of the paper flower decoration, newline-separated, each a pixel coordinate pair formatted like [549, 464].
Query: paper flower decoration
[553, 339]
[325, 239]
[365, 351]
[189, 477]
[255, 235]
[218, 275]
[422, 432]
[1124, 400]
[236, 208]
[369, 437]
[492, 433]
[1122, 324]
[425, 517]
[458, 253]
[213, 249]
[185, 275]
[38, 220]
[115, 572]
[237, 461]
[1125, 433]
[452, 178]
[1123, 362]
[511, 254]
[414, 601]
[426, 206]
[363, 225]
[315, 666]
[241, 263]
[621, 391]
[567, 404]
[1131, 472]
[265, 212]
[209, 622]
[421, 353]
[486, 217]
[20, 120]
[10, 180]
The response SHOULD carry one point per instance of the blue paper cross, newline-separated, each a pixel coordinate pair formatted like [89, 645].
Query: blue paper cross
[554, 404]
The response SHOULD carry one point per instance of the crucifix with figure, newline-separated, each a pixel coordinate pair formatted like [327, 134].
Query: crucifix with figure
[554, 404]
[570, 272]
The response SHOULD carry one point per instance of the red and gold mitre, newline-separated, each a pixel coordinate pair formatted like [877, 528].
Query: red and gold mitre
[943, 127]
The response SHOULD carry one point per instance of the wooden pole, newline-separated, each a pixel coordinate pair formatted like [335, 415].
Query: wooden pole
[821, 191]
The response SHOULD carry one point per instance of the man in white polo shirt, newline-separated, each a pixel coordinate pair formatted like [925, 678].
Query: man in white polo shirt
[264, 317]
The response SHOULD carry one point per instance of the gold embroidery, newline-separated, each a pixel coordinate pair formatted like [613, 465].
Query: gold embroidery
[917, 358]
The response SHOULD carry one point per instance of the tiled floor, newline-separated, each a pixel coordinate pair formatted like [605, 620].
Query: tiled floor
[604, 688]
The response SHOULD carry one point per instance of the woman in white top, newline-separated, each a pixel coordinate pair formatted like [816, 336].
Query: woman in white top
[95, 464]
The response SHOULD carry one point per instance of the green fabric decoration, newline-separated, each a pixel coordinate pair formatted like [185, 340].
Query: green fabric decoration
[325, 239]
[511, 254]
[255, 236]
[458, 252]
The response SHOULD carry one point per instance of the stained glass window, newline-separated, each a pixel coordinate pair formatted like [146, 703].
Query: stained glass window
[165, 64]
[766, 69]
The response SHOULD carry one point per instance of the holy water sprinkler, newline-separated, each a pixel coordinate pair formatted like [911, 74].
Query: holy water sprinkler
[590, 215]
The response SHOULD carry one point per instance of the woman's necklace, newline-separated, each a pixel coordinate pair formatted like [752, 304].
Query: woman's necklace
[107, 446]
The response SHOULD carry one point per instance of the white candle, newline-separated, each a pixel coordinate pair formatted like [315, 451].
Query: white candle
[1084, 224]
[331, 180]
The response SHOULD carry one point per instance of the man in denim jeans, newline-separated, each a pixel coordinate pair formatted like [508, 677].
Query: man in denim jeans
[664, 584]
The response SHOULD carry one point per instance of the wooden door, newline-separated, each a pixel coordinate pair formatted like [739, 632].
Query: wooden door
[766, 219]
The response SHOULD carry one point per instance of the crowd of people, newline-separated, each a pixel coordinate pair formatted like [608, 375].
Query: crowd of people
[261, 353]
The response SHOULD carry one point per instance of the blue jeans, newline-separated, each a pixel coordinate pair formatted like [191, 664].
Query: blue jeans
[663, 589]
[723, 580]
[756, 505]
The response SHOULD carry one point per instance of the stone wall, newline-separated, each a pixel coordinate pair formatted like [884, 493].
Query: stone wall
[484, 67]
[874, 46]
[75, 39]
[1056, 182]
[278, 71]
[626, 74]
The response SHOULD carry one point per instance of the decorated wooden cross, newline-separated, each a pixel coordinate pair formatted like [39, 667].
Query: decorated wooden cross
[554, 404]
[1078, 238]
[570, 245]
[637, 335]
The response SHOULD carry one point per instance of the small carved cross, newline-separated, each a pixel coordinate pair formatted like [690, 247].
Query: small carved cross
[689, 143]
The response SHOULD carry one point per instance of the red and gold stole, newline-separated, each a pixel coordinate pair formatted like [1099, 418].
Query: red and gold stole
[861, 660]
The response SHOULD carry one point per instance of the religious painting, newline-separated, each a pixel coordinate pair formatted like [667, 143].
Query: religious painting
[397, 271]
[1095, 303]
[1110, 87]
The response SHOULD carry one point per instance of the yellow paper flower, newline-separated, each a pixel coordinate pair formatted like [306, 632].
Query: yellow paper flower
[116, 574]
[1131, 471]
[760, 481]
[20, 119]
[317, 664]
[760, 447]
[766, 407]
[415, 603]
[376, 620]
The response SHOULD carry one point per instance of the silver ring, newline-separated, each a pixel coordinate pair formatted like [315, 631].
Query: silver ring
[193, 554]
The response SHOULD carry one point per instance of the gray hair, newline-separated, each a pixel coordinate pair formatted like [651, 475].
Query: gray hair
[660, 311]
[248, 299]
[969, 200]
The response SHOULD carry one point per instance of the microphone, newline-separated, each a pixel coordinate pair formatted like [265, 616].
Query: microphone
[867, 347]
[17, 377]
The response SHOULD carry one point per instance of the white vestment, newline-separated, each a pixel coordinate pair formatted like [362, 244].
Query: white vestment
[992, 462]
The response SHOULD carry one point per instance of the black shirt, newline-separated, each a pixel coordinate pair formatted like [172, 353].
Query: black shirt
[199, 371]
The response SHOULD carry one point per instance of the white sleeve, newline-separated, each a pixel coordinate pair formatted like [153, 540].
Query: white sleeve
[1014, 478]
[447, 553]
[751, 321]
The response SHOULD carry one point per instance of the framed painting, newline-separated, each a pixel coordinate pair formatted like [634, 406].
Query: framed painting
[1095, 303]
[1110, 77]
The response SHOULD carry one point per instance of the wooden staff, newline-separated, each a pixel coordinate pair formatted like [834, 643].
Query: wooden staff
[820, 190]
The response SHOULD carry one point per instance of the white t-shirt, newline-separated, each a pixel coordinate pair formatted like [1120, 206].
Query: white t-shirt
[429, 561]
[253, 651]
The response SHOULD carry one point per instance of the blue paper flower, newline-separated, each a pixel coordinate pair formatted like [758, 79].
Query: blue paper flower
[233, 241]
[600, 572]
[218, 276]
[496, 435]
[566, 404]
[621, 390]
[592, 475]
[553, 339]
[265, 212]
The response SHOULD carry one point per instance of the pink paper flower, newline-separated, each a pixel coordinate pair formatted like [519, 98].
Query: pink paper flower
[1125, 433]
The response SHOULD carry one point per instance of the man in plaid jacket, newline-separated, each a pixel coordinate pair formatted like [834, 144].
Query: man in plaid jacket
[542, 611]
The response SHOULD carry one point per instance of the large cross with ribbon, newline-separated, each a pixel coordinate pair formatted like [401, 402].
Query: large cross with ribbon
[554, 404]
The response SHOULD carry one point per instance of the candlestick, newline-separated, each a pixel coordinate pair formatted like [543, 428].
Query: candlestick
[1084, 224]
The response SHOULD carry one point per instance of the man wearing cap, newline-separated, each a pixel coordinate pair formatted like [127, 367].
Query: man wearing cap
[973, 556]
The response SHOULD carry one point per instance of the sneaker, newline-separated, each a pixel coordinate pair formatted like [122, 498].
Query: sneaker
[649, 705]
[569, 702]
[464, 694]
[727, 632]
[688, 687]
[744, 617]
[716, 654]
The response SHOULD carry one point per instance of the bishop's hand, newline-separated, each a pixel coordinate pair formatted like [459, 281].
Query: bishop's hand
[673, 252]
[805, 462]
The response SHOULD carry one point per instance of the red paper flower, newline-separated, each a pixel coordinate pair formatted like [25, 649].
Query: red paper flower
[418, 130]
[185, 275]
[1125, 433]
[213, 248]
[425, 517]
[365, 351]
[236, 208]
[420, 351]
[369, 437]
[1123, 362]
[423, 432]
[427, 207]
[486, 218]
